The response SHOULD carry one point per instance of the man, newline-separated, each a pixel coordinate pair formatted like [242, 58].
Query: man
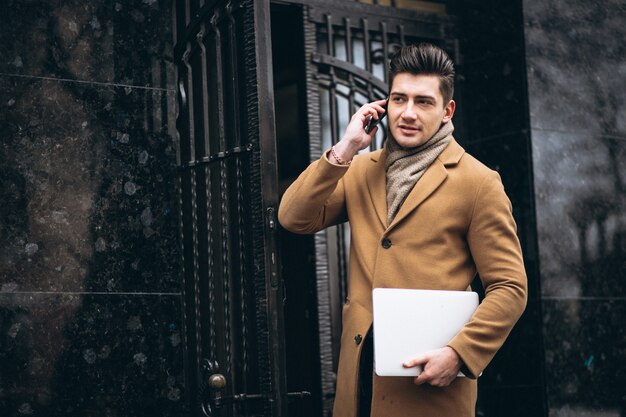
[424, 214]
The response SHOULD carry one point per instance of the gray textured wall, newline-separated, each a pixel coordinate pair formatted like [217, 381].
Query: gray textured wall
[576, 65]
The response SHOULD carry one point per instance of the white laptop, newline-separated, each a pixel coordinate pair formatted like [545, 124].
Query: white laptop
[408, 323]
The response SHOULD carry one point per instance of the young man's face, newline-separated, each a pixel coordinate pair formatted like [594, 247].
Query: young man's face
[416, 109]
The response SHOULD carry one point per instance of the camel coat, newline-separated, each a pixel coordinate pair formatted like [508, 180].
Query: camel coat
[456, 221]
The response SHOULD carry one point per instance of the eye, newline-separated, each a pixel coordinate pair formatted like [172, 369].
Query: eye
[397, 99]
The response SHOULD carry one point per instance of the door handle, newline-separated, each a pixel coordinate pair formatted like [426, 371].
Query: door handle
[217, 381]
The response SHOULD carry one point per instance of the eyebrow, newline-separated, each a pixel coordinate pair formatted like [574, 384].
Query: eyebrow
[418, 96]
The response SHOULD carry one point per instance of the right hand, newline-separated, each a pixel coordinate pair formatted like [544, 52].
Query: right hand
[354, 138]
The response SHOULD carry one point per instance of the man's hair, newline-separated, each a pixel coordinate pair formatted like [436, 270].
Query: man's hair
[428, 59]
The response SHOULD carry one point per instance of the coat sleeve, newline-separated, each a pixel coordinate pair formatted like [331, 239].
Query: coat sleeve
[496, 251]
[315, 200]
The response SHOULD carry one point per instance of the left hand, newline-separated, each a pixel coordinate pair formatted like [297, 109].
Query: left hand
[440, 367]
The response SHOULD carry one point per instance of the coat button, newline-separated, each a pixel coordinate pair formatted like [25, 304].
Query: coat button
[358, 339]
[386, 243]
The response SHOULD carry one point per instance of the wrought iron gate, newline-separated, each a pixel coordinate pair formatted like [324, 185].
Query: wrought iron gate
[347, 46]
[232, 291]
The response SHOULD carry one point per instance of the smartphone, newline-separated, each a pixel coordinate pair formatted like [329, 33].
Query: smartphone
[372, 123]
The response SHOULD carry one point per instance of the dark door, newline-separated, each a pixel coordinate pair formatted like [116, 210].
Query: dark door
[232, 288]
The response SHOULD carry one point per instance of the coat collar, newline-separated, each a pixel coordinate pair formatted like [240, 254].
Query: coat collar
[434, 176]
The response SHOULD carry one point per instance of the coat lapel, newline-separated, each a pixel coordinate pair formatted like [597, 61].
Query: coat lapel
[434, 176]
[376, 181]
[430, 181]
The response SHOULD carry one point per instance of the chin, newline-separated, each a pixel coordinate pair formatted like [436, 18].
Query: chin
[410, 142]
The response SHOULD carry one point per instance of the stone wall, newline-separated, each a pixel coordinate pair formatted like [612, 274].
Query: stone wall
[90, 305]
[576, 61]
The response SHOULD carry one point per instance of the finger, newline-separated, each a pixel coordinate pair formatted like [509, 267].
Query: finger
[425, 378]
[420, 360]
[364, 114]
[377, 103]
[372, 108]
[373, 111]
[421, 379]
[445, 382]
[379, 108]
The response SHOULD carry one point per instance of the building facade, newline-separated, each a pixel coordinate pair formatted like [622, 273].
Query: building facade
[144, 148]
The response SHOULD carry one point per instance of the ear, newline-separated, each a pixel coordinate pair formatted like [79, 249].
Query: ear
[448, 111]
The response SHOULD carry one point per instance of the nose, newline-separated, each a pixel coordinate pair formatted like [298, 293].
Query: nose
[409, 112]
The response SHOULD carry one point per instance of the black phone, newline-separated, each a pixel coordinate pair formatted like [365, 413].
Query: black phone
[372, 123]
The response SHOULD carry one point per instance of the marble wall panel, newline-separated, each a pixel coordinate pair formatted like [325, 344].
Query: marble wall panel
[581, 213]
[90, 355]
[576, 62]
[510, 401]
[88, 199]
[585, 349]
[576, 58]
[495, 93]
[125, 42]
[491, 27]
[491, 68]
[90, 306]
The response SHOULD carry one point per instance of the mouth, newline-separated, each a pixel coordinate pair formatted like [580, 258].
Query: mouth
[408, 129]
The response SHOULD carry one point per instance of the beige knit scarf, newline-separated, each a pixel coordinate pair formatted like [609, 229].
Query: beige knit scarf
[405, 166]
